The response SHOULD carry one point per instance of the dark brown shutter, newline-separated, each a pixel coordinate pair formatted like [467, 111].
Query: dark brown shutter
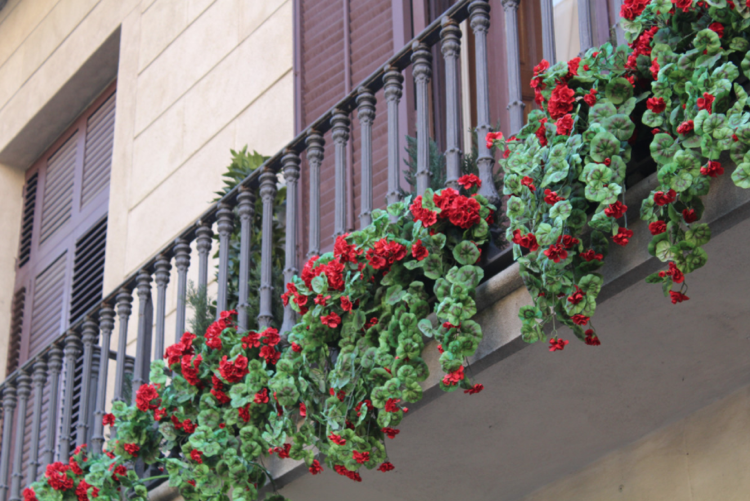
[47, 305]
[27, 224]
[97, 160]
[88, 270]
[16, 328]
[57, 204]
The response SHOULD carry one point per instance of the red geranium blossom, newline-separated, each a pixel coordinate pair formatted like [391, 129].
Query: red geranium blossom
[683, 4]
[391, 405]
[616, 210]
[143, 397]
[474, 389]
[556, 253]
[331, 320]
[623, 236]
[561, 101]
[469, 181]
[427, 216]
[713, 169]
[351, 475]
[529, 182]
[386, 467]
[564, 125]
[558, 344]
[567, 241]
[337, 439]
[244, 413]
[577, 296]
[419, 251]
[185, 347]
[689, 215]
[528, 241]
[580, 319]
[196, 456]
[541, 132]
[233, 372]
[656, 104]
[718, 28]
[706, 102]
[346, 252]
[361, 457]
[108, 419]
[677, 276]
[29, 494]
[590, 255]
[591, 338]
[315, 468]
[657, 227]
[661, 198]
[132, 449]
[677, 297]
[491, 137]
[685, 127]
[551, 197]
[346, 303]
[452, 378]
[590, 98]
[391, 432]
[262, 397]
[83, 488]
[57, 477]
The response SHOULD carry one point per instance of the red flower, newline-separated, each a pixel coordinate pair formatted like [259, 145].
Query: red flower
[132, 449]
[654, 69]
[270, 336]
[344, 251]
[474, 389]
[718, 28]
[590, 98]
[528, 241]
[337, 439]
[233, 372]
[463, 212]
[656, 104]
[351, 475]
[623, 236]
[188, 426]
[315, 468]
[541, 132]
[567, 241]
[196, 456]
[689, 215]
[419, 251]
[616, 210]
[556, 253]
[82, 491]
[191, 482]
[541, 67]
[713, 169]
[252, 340]
[580, 319]
[29, 494]
[677, 297]
[185, 347]
[468, 181]
[346, 304]
[561, 101]
[707, 101]
[590, 255]
[453, 378]
[557, 344]
[577, 296]
[661, 198]
[490, 139]
[683, 4]
[143, 397]
[657, 227]
[391, 432]
[302, 409]
[283, 452]
[427, 216]
[74, 466]
[371, 323]
[551, 197]
[331, 320]
[220, 396]
[631, 9]
[573, 65]
[591, 338]
[297, 348]
[527, 181]
[190, 367]
[120, 471]
[361, 457]
[677, 276]
[262, 397]
[564, 125]
[685, 127]
[159, 414]
[270, 355]
[108, 419]
[391, 405]
[386, 467]
[244, 413]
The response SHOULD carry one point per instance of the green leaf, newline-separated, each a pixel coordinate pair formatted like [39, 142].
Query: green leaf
[320, 284]
[604, 145]
[425, 326]
[466, 253]
[619, 90]
[515, 207]
[591, 284]
[600, 111]
[394, 294]
[433, 266]
[621, 126]
[560, 210]
[651, 119]
[741, 175]
[698, 234]
[546, 235]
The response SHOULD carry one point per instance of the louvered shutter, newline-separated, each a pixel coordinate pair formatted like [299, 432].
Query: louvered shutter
[57, 204]
[48, 299]
[88, 270]
[27, 224]
[16, 329]
[97, 160]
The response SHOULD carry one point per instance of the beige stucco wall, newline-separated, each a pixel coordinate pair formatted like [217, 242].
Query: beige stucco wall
[195, 78]
[703, 457]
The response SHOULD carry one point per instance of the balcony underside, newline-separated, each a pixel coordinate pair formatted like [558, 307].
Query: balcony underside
[545, 415]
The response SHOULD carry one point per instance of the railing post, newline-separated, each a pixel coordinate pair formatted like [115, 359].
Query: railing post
[54, 362]
[38, 378]
[106, 324]
[366, 116]
[96, 361]
[90, 335]
[203, 245]
[479, 19]
[619, 32]
[392, 89]
[162, 268]
[340, 134]
[246, 211]
[421, 59]
[124, 300]
[224, 217]
[24, 390]
[267, 194]
[143, 343]
[72, 350]
[451, 49]
[584, 26]
[548, 31]
[290, 166]
[182, 263]
[516, 105]
[9, 407]
[315, 143]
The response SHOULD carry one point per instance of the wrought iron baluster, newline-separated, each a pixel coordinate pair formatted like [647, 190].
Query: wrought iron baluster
[224, 217]
[340, 133]
[267, 194]
[90, 335]
[451, 49]
[182, 263]
[143, 343]
[106, 324]
[366, 116]
[124, 309]
[315, 143]
[246, 211]
[162, 268]
[392, 89]
[548, 31]
[290, 166]
[421, 59]
[91, 401]
[515, 100]
[54, 363]
[24, 390]
[203, 244]
[38, 378]
[72, 350]
[9, 407]
[479, 19]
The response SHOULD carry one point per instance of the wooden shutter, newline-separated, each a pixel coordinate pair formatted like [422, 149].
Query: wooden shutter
[88, 270]
[48, 299]
[16, 327]
[97, 160]
[27, 224]
[57, 205]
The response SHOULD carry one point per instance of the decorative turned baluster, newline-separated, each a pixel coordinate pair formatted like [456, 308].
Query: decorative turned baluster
[267, 194]
[72, 350]
[96, 360]
[451, 49]
[54, 363]
[143, 343]
[548, 31]
[124, 300]
[246, 211]
[421, 59]
[366, 116]
[203, 244]
[89, 336]
[182, 263]
[38, 378]
[224, 217]
[315, 143]
[516, 105]
[340, 134]
[479, 19]
[290, 166]
[106, 324]
[24, 390]
[162, 268]
[9, 407]
[392, 89]
[584, 26]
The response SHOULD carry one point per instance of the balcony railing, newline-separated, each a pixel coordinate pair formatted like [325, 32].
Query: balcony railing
[92, 334]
